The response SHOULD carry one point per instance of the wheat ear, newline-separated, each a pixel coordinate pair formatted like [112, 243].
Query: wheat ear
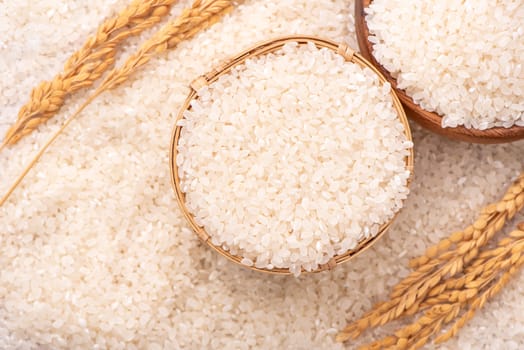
[516, 261]
[465, 244]
[428, 279]
[86, 65]
[485, 269]
[489, 272]
[509, 205]
[418, 333]
[201, 15]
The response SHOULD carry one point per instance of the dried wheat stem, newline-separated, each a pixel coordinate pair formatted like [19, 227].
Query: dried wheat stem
[384, 343]
[394, 308]
[485, 264]
[463, 246]
[201, 15]
[416, 334]
[3, 145]
[452, 262]
[459, 291]
[424, 293]
[86, 65]
[511, 203]
[479, 302]
[480, 274]
[41, 152]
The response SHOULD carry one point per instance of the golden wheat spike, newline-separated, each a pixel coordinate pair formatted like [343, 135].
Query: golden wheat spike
[86, 65]
[201, 15]
[436, 270]
[482, 279]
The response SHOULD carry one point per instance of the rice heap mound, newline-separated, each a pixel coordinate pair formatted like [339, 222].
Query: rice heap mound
[293, 157]
[461, 59]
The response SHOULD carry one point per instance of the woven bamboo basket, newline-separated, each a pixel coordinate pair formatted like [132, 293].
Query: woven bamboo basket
[224, 68]
[429, 120]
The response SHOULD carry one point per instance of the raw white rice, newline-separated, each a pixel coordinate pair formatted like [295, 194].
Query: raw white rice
[293, 157]
[95, 254]
[461, 59]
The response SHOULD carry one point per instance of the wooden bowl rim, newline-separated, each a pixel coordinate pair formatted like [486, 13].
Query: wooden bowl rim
[223, 68]
[429, 120]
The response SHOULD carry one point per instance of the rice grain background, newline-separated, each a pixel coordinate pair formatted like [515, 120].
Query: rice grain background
[94, 252]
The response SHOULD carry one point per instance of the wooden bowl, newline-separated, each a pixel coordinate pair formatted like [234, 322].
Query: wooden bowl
[429, 120]
[224, 68]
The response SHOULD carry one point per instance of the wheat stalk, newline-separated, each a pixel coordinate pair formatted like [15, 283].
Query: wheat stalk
[479, 301]
[418, 333]
[461, 289]
[489, 272]
[86, 65]
[511, 267]
[510, 204]
[482, 272]
[466, 243]
[396, 307]
[430, 277]
[202, 14]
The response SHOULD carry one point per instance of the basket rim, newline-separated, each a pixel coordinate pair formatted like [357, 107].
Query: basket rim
[429, 120]
[223, 68]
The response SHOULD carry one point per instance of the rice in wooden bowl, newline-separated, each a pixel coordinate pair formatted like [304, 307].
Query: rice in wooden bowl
[456, 66]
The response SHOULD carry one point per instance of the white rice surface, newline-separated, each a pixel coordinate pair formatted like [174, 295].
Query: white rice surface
[95, 254]
[293, 157]
[461, 59]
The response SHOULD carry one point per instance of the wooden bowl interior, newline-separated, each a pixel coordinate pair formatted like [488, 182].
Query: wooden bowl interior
[429, 120]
